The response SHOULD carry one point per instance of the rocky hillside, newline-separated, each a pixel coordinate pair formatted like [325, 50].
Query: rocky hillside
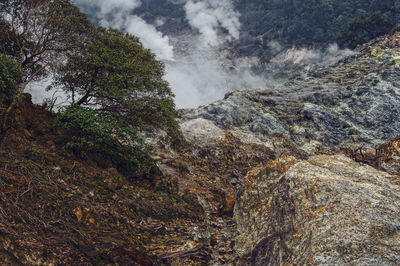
[304, 173]
[309, 203]
[354, 102]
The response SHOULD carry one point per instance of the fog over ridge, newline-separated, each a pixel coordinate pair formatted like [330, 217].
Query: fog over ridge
[207, 16]
[195, 78]
[205, 71]
[118, 14]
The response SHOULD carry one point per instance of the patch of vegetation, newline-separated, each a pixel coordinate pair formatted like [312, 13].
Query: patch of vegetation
[115, 76]
[302, 22]
[364, 29]
[116, 89]
[109, 141]
[75, 212]
[37, 35]
[115, 86]
[10, 77]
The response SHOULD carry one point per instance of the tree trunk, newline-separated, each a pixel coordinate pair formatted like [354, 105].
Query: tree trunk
[83, 99]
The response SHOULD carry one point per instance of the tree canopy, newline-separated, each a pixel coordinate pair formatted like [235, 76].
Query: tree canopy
[363, 29]
[115, 86]
[116, 76]
[38, 35]
[10, 78]
[116, 91]
[309, 22]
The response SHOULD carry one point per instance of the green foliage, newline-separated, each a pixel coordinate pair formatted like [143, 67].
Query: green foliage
[364, 29]
[10, 78]
[309, 22]
[116, 86]
[39, 34]
[175, 21]
[290, 22]
[90, 130]
[121, 79]
[107, 140]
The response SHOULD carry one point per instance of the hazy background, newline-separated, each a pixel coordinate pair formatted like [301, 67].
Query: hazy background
[196, 75]
[200, 63]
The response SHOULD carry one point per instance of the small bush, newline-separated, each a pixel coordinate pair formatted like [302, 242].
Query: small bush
[10, 77]
[107, 140]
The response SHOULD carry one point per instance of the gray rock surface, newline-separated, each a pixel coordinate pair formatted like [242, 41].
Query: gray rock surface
[306, 203]
[328, 210]
[354, 102]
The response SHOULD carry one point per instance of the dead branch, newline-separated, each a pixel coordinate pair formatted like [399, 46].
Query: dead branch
[200, 251]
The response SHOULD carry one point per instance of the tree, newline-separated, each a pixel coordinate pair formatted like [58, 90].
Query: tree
[116, 78]
[39, 35]
[10, 78]
[364, 29]
[312, 23]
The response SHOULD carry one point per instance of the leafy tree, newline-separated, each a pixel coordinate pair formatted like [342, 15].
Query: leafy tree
[119, 83]
[364, 29]
[10, 78]
[315, 22]
[38, 34]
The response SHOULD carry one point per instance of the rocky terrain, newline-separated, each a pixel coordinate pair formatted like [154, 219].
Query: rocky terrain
[303, 173]
[355, 101]
[314, 201]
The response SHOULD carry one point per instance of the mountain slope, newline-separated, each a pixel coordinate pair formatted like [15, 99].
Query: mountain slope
[263, 179]
[300, 207]
[354, 102]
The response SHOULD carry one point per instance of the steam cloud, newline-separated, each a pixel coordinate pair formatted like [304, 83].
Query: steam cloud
[149, 36]
[117, 14]
[210, 15]
[197, 78]
[309, 57]
[200, 75]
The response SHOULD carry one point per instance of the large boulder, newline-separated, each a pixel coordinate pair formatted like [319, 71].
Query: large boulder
[327, 210]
